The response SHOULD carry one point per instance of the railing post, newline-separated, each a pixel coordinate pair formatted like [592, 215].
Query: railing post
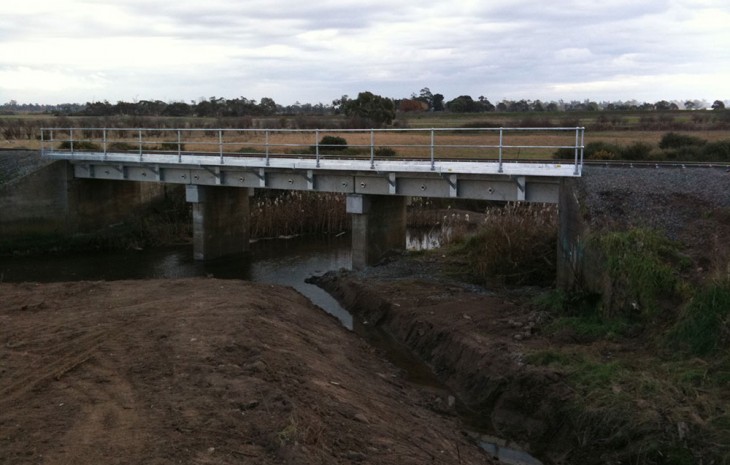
[501, 139]
[316, 144]
[220, 144]
[71, 140]
[266, 144]
[577, 133]
[372, 149]
[139, 133]
[103, 137]
[433, 162]
[179, 146]
[43, 145]
[582, 146]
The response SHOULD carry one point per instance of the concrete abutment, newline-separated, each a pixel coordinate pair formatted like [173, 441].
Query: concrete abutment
[378, 227]
[221, 220]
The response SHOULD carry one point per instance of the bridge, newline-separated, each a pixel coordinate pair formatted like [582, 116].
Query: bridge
[376, 168]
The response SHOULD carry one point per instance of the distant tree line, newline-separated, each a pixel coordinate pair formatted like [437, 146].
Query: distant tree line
[367, 108]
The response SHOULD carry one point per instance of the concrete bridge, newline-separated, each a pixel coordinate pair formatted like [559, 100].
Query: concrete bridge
[377, 169]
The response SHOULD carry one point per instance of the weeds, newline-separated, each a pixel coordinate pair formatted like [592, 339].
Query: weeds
[515, 245]
[641, 265]
[286, 213]
[704, 326]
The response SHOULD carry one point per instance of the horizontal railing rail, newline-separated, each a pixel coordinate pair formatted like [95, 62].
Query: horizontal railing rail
[498, 145]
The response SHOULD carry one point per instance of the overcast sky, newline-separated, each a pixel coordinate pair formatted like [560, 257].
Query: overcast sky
[55, 51]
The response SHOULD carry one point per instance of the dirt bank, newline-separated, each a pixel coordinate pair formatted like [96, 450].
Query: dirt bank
[475, 342]
[202, 371]
[566, 397]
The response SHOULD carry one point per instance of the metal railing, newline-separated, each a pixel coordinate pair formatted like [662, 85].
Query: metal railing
[498, 145]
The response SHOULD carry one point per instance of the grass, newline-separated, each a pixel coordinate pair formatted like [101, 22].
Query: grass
[642, 266]
[703, 327]
[635, 409]
[514, 245]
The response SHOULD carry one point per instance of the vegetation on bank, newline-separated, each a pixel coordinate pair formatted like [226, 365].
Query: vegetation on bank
[650, 367]
[648, 361]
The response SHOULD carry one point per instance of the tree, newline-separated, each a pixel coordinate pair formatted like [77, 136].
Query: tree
[373, 108]
[463, 104]
[438, 102]
[267, 106]
[426, 97]
[662, 105]
[718, 105]
[485, 104]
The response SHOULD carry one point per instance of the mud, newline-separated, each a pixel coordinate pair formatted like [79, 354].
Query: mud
[203, 371]
[474, 340]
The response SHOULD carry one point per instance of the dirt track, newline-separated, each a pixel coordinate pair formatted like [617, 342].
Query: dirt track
[201, 371]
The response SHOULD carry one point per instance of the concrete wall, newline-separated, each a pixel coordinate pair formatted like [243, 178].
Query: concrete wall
[49, 201]
[378, 227]
[221, 220]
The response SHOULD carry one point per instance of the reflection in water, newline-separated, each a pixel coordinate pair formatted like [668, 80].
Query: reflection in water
[286, 262]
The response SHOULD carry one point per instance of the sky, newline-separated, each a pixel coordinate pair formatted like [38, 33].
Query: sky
[59, 51]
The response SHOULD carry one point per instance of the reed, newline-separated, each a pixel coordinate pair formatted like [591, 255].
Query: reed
[514, 245]
[290, 213]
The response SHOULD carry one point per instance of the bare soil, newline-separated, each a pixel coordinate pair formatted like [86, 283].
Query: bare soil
[474, 340]
[205, 371]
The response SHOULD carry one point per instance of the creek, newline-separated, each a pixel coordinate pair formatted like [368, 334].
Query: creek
[287, 262]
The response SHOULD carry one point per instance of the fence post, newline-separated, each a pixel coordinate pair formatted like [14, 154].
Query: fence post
[433, 162]
[71, 139]
[501, 139]
[577, 133]
[220, 144]
[103, 136]
[316, 144]
[179, 145]
[139, 132]
[267, 147]
[372, 149]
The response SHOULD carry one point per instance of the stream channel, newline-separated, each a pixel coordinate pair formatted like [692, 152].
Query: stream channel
[287, 262]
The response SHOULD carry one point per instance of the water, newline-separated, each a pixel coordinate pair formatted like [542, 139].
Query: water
[286, 262]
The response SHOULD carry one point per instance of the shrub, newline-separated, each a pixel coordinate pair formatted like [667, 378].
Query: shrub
[330, 144]
[593, 151]
[604, 149]
[384, 152]
[515, 245]
[636, 151]
[704, 327]
[79, 145]
[716, 151]
[121, 147]
[672, 140]
[171, 146]
[640, 264]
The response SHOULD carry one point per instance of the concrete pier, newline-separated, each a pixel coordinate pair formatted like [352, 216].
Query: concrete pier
[378, 227]
[220, 220]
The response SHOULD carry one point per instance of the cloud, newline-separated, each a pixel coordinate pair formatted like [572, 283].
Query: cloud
[294, 50]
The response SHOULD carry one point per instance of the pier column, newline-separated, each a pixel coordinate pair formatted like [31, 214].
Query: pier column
[220, 220]
[378, 227]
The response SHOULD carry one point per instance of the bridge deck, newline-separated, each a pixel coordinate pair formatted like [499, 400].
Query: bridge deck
[453, 162]
[508, 168]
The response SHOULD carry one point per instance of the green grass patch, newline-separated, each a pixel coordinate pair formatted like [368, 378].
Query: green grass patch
[704, 326]
[643, 267]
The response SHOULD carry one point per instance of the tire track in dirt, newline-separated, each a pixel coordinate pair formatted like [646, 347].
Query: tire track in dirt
[69, 356]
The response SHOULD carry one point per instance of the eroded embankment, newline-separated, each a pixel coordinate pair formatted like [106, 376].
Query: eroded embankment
[475, 343]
